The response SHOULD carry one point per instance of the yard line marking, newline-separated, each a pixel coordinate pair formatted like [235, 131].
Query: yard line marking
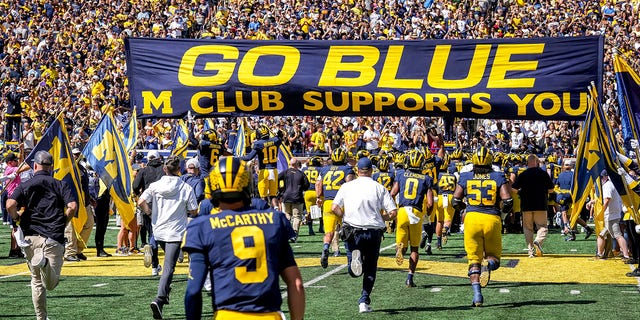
[503, 290]
[627, 291]
[98, 285]
[334, 271]
[435, 289]
[14, 275]
[574, 292]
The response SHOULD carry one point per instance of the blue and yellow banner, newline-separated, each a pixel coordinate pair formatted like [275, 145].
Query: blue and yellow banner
[106, 153]
[56, 141]
[180, 141]
[628, 83]
[130, 132]
[541, 78]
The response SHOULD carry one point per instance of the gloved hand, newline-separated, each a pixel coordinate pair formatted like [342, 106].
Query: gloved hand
[621, 171]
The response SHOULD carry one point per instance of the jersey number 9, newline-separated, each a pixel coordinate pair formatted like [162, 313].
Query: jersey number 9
[248, 243]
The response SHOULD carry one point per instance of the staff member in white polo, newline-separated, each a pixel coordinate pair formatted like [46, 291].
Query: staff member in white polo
[367, 204]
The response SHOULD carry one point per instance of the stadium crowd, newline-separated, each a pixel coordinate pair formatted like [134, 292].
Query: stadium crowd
[65, 56]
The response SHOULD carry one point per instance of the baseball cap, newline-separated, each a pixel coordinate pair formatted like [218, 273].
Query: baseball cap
[75, 151]
[365, 164]
[153, 154]
[193, 162]
[43, 158]
[604, 173]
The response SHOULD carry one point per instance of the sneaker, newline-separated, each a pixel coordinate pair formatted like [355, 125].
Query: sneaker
[399, 255]
[134, 251]
[445, 237]
[71, 259]
[439, 247]
[634, 273]
[38, 260]
[156, 308]
[121, 253]
[336, 253]
[364, 308]
[356, 263]
[428, 250]
[631, 261]
[324, 259]
[570, 238]
[478, 300]
[147, 255]
[531, 255]
[410, 283]
[538, 248]
[103, 254]
[81, 256]
[588, 233]
[485, 274]
[156, 271]
[423, 241]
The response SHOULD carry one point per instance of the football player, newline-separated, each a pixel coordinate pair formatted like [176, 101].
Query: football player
[385, 178]
[330, 178]
[431, 167]
[484, 189]
[414, 191]
[444, 210]
[244, 250]
[312, 171]
[266, 148]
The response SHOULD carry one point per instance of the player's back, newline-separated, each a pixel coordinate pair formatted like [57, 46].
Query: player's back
[209, 154]
[384, 178]
[312, 173]
[247, 251]
[565, 181]
[413, 187]
[332, 178]
[446, 182]
[268, 152]
[482, 190]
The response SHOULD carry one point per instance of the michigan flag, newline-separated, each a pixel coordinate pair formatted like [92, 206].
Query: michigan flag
[65, 168]
[240, 146]
[180, 140]
[284, 155]
[130, 132]
[628, 83]
[208, 124]
[106, 153]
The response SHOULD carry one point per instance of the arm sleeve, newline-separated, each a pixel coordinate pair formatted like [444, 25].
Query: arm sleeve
[250, 155]
[199, 190]
[387, 201]
[286, 253]
[66, 193]
[198, 267]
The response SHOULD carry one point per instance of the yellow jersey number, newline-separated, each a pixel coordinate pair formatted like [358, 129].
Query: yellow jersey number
[332, 180]
[215, 154]
[411, 188]
[447, 183]
[481, 192]
[257, 251]
[385, 181]
[270, 154]
[312, 175]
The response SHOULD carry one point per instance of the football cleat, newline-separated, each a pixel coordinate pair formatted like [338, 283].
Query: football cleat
[364, 308]
[588, 233]
[428, 250]
[538, 248]
[478, 300]
[445, 237]
[324, 259]
[399, 255]
[485, 274]
[423, 241]
[410, 283]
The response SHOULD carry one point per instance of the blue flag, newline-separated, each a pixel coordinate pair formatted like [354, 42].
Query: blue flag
[240, 146]
[180, 141]
[130, 132]
[106, 153]
[284, 155]
[628, 83]
[65, 168]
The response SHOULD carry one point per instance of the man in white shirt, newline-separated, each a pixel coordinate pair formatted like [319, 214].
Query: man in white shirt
[371, 138]
[367, 205]
[612, 207]
[168, 201]
[516, 137]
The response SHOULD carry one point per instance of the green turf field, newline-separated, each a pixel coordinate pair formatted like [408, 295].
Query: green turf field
[566, 282]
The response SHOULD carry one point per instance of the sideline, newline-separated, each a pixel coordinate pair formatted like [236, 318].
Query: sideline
[334, 271]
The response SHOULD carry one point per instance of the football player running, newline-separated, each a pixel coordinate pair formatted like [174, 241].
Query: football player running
[414, 191]
[266, 148]
[244, 250]
[484, 189]
[329, 180]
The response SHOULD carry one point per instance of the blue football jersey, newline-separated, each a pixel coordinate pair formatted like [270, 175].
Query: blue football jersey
[209, 152]
[332, 178]
[312, 174]
[385, 178]
[565, 180]
[247, 251]
[413, 187]
[447, 182]
[267, 152]
[482, 190]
